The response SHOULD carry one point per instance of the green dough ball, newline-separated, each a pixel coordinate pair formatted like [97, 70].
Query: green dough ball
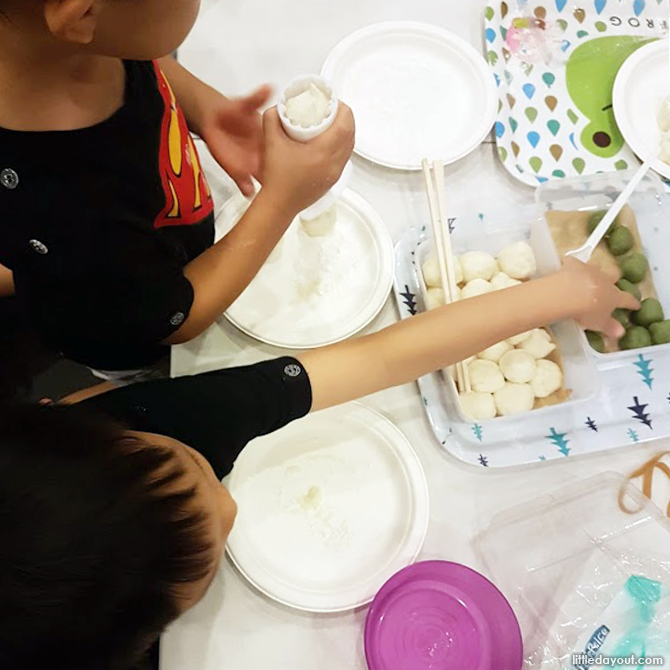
[596, 218]
[620, 241]
[596, 341]
[660, 332]
[636, 337]
[628, 287]
[634, 268]
[650, 312]
[622, 316]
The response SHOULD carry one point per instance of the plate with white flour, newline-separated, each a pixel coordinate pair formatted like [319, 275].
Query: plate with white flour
[417, 91]
[330, 507]
[314, 291]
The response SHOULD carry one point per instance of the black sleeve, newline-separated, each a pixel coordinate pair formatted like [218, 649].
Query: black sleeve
[216, 413]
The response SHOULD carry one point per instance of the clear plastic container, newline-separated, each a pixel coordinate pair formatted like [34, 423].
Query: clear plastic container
[651, 205]
[579, 368]
[562, 559]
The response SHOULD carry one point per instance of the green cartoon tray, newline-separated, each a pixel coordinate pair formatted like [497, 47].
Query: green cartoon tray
[555, 62]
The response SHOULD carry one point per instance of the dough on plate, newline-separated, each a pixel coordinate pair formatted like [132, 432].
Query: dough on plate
[514, 399]
[478, 406]
[309, 108]
[548, 379]
[485, 376]
[518, 367]
[539, 344]
[518, 260]
[496, 352]
[477, 265]
[476, 287]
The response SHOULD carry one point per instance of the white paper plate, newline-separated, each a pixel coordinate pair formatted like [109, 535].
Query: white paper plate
[641, 86]
[330, 507]
[314, 291]
[417, 91]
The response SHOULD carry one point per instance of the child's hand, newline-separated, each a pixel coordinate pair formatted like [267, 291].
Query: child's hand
[596, 297]
[298, 174]
[233, 131]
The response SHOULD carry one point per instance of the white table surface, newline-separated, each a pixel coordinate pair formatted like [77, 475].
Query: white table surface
[236, 45]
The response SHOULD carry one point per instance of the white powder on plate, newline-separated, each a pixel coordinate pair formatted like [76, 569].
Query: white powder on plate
[329, 512]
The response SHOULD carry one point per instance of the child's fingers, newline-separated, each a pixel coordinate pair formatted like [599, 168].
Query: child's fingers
[271, 123]
[613, 329]
[628, 301]
[257, 99]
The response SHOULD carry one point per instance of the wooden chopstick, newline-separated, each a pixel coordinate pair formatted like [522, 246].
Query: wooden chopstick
[443, 248]
[438, 168]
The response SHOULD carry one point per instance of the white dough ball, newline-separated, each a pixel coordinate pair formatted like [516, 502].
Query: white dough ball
[485, 376]
[434, 298]
[518, 339]
[477, 265]
[475, 287]
[518, 261]
[548, 379]
[431, 273]
[495, 352]
[478, 406]
[664, 115]
[665, 148]
[322, 224]
[309, 108]
[514, 399]
[539, 344]
[503, 280]
[518, 367]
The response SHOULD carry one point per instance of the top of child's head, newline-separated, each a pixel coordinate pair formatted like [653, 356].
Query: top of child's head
[130, 29]
[106, 536]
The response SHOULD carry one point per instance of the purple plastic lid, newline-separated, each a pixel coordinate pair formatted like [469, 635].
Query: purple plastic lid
[438, 615]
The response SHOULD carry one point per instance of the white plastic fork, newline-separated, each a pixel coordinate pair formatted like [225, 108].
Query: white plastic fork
[584, 252]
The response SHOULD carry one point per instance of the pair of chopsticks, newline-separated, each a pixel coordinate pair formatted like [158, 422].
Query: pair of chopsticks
[442, 238]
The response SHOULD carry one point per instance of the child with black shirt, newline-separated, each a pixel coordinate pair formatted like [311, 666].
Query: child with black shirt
[106, 218]
[112, 516]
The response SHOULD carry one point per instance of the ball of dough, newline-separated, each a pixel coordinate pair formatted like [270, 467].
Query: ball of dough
[503, 280]
[514, 399]
[434, 298]
[664, 115]
[518, 260]
[485, 376]
[478, 405]
[660, 332]
[548, 379]
[518, 366]
[477, 265]
[634, 268]
[431, 273]
[539, 344]
[476, 287]
[620, 241]
[636, 337]
[495, 352]
[649, 312]
[518, 339]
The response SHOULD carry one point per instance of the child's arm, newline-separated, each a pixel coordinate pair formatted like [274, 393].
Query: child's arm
[232, 129]
[295, 175]
[442, 337]
[6, 282]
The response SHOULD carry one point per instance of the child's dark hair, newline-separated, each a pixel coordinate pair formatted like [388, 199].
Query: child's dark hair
[96, 537]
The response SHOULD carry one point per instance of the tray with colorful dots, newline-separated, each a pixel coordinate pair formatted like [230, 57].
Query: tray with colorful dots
[555, 62]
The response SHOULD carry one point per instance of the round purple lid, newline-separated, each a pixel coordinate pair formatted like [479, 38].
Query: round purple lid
[438, 615]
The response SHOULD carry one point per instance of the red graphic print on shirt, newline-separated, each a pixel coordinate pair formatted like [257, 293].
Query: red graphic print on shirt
[188, 199]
